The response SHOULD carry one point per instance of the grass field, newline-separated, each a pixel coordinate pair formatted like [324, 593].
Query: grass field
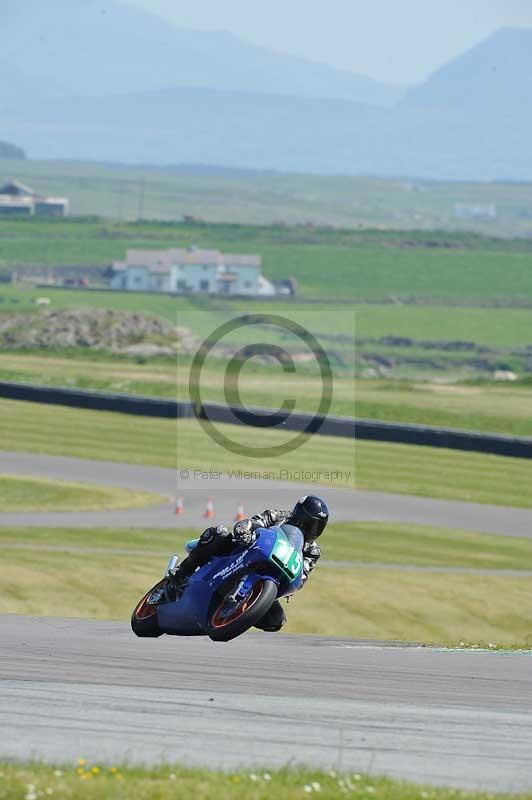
[116, 437]
[38, 494]
[75, 571]
[425, 304]
[500, 408]
[483, 407]
[88, 781]
[261, 385]
[115, 191]
[422, 607]
[405, 469]
[406, 341]
[495, 327]
[490, 327]
[364, 265]
[351, 542]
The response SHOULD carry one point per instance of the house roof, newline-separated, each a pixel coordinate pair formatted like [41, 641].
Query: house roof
[17, 188]
[250, 260]
[161, 260]
[196, 256]
[147, 258]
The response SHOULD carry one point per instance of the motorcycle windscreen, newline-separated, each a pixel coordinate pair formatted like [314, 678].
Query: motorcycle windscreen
[287, 551]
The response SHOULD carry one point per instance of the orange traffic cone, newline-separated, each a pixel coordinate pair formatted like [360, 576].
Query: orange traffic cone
[209, 510]
[240, 513]
[179, 507]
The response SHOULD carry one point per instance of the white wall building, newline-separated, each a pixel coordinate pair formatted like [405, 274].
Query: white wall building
[17, 199]
[475, 211]
[190, 271]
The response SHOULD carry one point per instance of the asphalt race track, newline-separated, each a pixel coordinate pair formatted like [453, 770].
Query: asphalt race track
[72, 688]
[345, 504]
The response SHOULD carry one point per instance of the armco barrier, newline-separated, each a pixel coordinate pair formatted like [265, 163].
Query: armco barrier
[261, 417]
[266, 418]
[99, 401]
[450, 438]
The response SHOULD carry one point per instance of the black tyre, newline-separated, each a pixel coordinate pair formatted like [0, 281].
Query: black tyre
[227, 623]
[144, 617]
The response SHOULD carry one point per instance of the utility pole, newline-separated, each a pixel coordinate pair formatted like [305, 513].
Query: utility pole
[142, 192]
[121, 188]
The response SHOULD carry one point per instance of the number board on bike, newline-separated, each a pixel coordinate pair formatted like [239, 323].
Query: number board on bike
[288, 557]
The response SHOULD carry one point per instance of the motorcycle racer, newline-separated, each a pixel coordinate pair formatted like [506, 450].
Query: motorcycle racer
[310, 514]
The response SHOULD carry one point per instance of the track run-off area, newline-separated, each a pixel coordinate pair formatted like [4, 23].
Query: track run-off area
[76, 688]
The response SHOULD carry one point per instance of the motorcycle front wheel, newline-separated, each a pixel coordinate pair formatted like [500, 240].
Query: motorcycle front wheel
[144, 617]
[229, 620]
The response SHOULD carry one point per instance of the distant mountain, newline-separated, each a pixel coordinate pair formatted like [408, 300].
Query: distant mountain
[245, 130]
[472, 119]
[236, 129]
[102, 47]
[494, 75]
[477, 109]
[11, 151]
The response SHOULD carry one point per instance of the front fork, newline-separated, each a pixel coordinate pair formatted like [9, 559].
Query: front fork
[169, 577]
[243, 588]
[173, 564]
[239, 593]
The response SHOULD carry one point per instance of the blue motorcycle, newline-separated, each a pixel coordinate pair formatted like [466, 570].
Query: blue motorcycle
[227, 596]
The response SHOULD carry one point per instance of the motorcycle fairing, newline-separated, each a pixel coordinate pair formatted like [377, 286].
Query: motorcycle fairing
[189, 615]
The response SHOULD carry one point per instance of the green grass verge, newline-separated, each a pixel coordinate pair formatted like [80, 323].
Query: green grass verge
[74, 573]
[482, 407]
[445, 474]
[90, 781]
[397, 468]
[497, 408]
[422, 545]
[260, 385]
[39, 494]
[430, 608]
[349, 542]
[118, 437]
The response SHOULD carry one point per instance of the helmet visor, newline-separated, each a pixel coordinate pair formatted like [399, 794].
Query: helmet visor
[314, 527]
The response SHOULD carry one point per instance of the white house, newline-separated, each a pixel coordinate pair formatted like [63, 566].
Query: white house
[18, 199]
[190, 271]
[475, 211]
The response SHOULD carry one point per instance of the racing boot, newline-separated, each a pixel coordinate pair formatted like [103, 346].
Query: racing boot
[214, 541]
[178, 577]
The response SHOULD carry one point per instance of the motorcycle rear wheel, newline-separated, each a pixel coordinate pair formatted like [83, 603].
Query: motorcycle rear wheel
[144, 617]
[223, 628]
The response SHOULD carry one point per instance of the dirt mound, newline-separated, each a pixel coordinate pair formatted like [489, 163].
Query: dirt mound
[96, 328]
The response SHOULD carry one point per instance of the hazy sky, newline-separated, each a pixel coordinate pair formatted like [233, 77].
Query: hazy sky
[400, 41]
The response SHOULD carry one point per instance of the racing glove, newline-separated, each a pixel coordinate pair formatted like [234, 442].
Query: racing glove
[214, 532]
[244, 532]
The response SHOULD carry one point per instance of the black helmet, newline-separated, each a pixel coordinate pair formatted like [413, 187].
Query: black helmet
[311, 516]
